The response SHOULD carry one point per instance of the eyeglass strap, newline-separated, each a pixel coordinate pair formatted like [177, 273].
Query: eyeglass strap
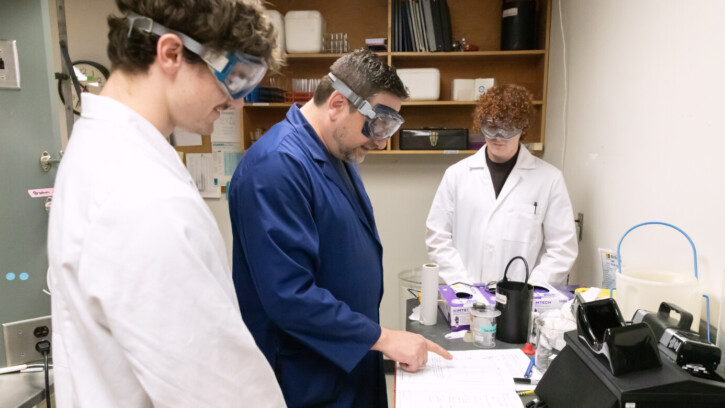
[361, 104]
[146, 24]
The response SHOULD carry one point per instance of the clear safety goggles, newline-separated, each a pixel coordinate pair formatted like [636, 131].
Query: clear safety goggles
[238, 73]
[381, 121]
[492, 131]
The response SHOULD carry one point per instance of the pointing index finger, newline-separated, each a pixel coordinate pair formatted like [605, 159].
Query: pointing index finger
[438, 350]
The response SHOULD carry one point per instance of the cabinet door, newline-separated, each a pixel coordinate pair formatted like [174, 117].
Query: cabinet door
[30, 126]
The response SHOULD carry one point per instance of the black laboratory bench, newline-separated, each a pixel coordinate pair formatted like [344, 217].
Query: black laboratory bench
[23, 390]
[436, 333]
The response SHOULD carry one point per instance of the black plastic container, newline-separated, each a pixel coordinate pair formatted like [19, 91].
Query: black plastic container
[514, 300]
[518, 25]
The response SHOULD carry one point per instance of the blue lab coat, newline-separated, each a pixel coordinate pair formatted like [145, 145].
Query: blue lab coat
[308, 268]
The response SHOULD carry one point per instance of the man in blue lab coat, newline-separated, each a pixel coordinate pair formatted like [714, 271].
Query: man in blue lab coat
[307, 256]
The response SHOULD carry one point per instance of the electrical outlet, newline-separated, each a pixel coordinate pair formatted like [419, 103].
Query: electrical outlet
[9, 68]
[21, 338]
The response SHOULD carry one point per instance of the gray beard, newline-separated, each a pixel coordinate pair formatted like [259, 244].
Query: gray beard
[349, 155]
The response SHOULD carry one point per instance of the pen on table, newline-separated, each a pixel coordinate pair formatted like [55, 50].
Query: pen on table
[527, 374]
[519, 380]
[522, 393]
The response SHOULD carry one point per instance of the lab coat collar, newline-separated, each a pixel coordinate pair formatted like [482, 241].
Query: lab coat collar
[318, 150]
[525, 161]
[110, 110]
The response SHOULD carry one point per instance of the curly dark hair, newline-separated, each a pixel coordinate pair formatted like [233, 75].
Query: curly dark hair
[364, 72]
[509, 105]
[222, 25]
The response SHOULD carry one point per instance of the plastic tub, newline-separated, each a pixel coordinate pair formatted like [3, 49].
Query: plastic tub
[275, 18]
[643, 288]
[646, 288]
[423, 83]
[304, 30]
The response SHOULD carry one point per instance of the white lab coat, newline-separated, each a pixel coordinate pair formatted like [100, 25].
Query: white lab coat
[472, 234]
[144, 309]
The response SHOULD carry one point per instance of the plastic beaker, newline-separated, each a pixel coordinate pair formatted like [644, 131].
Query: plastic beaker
[550, 329]
[483, 325]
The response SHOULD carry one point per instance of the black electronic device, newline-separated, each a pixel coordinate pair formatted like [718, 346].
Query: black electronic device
[677, 342]
[623, 348]
[577, 378]
[687, 350]
[663, 319]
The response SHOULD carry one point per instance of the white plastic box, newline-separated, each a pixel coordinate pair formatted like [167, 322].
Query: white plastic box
[463, 90]
[424, 84]
[304, 30]
[275, 18]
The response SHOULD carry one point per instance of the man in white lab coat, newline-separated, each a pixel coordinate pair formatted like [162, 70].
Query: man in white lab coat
[502, 202]
[144, 309]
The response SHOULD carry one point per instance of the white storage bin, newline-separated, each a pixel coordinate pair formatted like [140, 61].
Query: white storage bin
[424, 84]
[304, 30]
[463, 90]
[275, 18]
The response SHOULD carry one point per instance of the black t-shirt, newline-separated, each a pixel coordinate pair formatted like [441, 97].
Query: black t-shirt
[500, 171]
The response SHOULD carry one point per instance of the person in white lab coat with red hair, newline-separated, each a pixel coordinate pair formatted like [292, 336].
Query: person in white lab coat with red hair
[502, 202]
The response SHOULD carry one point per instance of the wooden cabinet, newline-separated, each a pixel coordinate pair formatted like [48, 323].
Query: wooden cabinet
[478, 21]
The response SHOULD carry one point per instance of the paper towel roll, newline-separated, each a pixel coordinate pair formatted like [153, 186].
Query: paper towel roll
[429, 295]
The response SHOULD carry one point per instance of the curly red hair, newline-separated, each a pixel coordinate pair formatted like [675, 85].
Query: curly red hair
[509, 105]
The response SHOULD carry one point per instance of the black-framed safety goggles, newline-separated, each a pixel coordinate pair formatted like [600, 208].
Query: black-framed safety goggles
[381, 121]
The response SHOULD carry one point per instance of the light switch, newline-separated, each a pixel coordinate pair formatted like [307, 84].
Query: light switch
[9, 68]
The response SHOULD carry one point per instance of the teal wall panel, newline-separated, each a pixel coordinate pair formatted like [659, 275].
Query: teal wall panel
[28, 126]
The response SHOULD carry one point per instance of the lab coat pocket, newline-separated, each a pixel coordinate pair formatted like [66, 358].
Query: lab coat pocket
[522, 224]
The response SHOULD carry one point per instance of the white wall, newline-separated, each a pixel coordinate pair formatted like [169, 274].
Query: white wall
[644, 139]
[401, 189]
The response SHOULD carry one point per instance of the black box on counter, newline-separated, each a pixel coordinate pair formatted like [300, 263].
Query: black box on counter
[434, 139]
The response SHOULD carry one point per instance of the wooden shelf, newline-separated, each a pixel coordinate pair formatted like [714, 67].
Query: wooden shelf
[268, 105]
[449, 103]
[471, 54]
[476, 20]
[387, 152]
[322, 56]
[407, 103]
[424, 55]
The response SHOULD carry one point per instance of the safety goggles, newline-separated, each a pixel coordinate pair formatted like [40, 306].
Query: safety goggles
[238, 73]
[381, 121]
[492, 131]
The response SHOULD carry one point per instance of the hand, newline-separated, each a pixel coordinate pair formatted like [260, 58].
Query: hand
[409, 349]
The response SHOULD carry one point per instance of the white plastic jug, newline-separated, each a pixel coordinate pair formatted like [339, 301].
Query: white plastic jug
[646, 288]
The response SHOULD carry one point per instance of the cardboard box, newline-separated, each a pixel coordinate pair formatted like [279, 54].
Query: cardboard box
[457, 311]
[481, 85]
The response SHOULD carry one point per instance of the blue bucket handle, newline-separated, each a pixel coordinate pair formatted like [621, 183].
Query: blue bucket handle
[694, 253]
[619, 257]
